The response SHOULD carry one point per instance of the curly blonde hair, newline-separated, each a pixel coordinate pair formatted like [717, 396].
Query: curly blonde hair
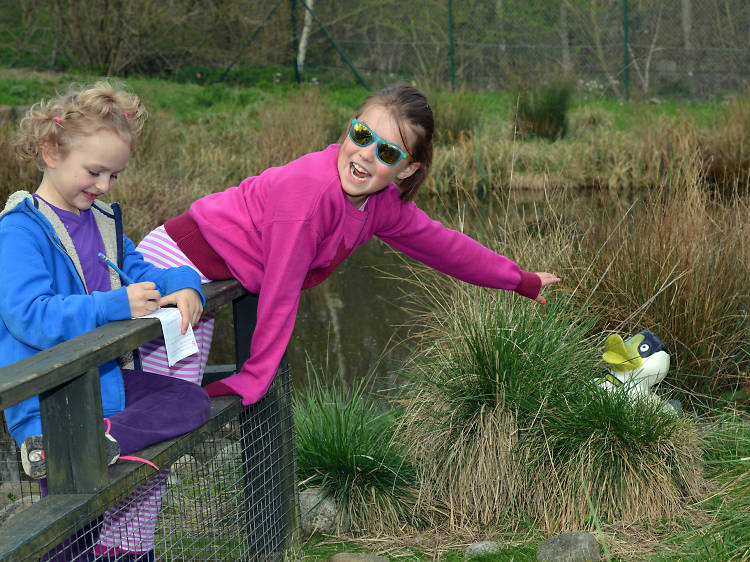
[82, 111]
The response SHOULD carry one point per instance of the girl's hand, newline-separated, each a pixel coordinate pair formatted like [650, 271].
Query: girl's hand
[188, 301]
[143, 298]
[547, 279]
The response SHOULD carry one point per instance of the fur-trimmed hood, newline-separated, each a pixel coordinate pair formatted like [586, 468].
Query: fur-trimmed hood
[107, 219]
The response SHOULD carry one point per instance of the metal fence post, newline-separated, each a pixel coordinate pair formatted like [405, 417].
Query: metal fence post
[626, 62]
[450, 46]
[268, 455]
[293, 12]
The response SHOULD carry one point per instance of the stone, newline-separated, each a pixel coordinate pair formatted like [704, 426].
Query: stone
[317, 512]
[184, 466]
[357, 557]
[17, 507]
[209, 449]
[231, 453]
[12, 491]
[573, 546]
[481, 547]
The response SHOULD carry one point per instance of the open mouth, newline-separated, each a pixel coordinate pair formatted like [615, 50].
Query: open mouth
[358, 172]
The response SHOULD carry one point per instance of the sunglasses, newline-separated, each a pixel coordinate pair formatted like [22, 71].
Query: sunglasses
[388, 153]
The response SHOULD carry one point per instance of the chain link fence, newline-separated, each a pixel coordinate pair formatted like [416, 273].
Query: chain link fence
[622, 48]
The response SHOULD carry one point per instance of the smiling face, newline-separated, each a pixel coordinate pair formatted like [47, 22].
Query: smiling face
[73, 181]
[360, 170]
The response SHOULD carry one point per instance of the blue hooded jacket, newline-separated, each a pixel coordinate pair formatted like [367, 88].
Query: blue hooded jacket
[44, 300]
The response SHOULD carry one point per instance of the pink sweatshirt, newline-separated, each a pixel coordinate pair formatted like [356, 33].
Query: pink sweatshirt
[290, 227]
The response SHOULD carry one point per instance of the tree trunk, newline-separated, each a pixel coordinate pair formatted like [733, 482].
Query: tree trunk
[302, 49]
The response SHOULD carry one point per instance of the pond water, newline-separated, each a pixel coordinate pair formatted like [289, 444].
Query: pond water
[353, 322]
[348, 327]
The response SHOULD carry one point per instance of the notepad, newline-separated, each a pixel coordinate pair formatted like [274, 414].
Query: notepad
[178, 345]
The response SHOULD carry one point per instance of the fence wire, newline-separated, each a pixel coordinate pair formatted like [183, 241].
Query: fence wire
[230, 496]
[631, 48]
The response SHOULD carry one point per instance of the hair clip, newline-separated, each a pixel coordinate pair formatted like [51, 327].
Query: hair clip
[58, 120]
[127, 114]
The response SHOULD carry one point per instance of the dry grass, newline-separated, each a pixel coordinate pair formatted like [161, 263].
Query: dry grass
[677, 263]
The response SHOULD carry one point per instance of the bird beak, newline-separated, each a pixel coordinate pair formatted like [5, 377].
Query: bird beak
[620, 355]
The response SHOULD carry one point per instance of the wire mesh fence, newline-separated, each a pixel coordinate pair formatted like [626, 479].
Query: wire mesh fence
[230, 495]
[618, 47]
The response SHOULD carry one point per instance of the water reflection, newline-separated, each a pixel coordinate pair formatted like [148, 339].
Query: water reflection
[352, 322]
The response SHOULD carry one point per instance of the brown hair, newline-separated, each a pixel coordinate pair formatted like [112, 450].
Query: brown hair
[60, 121]
[409, 108]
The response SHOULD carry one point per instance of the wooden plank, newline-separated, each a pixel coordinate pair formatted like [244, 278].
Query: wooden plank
[41, 523]
[61, 363]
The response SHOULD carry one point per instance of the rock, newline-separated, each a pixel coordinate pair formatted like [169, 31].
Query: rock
[573, 546]
[676, 406]
[231, 453]
[357, 557]
[317, 512]
[481, 547]
[184, 466]
[17, 507]
[210, 448]
[12, 491]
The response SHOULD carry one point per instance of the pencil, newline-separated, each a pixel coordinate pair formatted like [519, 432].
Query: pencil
[117, 270]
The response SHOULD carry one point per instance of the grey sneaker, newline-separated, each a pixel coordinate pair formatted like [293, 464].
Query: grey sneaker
[34, 461]
[32, 457]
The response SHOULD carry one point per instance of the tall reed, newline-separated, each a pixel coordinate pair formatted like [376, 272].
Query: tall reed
[677, 262]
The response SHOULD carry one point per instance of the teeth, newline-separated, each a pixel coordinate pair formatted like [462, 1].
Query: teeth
[359, 169]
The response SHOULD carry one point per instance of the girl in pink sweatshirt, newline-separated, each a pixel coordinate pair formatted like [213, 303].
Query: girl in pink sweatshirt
[288, 228]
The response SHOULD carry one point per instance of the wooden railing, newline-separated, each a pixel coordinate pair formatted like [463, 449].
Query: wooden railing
[66, 378]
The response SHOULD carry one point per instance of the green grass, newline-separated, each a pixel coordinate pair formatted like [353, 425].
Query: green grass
[722, 532]
[345, 447]
[542, 110]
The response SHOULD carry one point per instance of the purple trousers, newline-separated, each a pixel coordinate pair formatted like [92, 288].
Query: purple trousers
[157, 408]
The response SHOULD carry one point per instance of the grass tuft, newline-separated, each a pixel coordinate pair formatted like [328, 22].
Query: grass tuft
[345, 447]
[542, 110]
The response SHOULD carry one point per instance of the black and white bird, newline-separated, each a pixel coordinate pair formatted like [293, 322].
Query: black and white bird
[637, 364]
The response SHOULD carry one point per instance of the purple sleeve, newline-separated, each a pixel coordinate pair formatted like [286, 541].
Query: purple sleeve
[530, 285]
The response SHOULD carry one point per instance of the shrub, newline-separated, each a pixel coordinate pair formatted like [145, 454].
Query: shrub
[503, 419]
[542, 110]
[345, 447]
[457, 115]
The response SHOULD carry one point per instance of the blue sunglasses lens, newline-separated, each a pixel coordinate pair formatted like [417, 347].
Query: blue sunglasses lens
[362, 135]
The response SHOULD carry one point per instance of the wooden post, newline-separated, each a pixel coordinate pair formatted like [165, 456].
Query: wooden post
[74, 436]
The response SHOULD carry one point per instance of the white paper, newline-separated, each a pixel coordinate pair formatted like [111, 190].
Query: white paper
[178, 345]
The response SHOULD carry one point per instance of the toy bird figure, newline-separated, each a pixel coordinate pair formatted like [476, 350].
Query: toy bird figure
[637, 363]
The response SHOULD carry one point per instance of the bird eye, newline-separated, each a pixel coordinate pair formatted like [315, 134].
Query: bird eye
[643, 347]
